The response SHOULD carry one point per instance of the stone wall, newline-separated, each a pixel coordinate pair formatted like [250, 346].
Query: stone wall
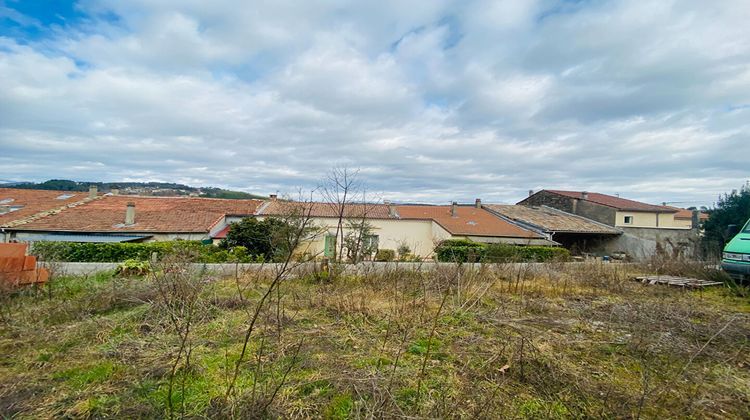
[593, 211]
[546, 198]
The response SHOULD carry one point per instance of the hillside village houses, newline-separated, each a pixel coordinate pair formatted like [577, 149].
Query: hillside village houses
[585, 222]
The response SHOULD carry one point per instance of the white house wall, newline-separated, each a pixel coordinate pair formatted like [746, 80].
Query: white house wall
[416, 234]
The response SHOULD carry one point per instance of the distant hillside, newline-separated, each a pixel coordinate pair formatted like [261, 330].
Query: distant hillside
[165, 189]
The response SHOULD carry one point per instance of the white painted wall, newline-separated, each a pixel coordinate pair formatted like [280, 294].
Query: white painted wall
[646, 219]
[417, 234]
[156, 237]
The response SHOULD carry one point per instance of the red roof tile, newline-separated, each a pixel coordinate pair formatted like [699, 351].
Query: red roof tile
[615, 202]
[152, 214]
[222, 234]
[469, 220]
[688, 214]
[318, 209]
[26, 203]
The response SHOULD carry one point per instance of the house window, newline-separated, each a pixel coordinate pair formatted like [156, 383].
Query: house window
[628, 220]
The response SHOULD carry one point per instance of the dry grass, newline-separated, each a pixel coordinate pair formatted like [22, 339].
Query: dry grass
[575, 340]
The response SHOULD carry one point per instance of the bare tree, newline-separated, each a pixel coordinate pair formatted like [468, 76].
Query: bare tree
[358, 240]
[340, 188]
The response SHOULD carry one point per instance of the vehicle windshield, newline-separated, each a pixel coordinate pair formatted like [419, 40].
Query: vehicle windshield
[746, 229]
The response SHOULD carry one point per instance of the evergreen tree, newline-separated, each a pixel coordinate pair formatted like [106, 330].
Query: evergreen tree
[261, 237]
[731, 209]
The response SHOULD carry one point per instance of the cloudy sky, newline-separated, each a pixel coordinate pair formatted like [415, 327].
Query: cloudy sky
[434, 101]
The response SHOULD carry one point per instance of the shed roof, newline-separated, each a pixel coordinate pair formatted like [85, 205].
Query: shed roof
[552, 220]
[469, 220]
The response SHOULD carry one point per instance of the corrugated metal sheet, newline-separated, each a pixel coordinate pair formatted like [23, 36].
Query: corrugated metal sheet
[83, 238]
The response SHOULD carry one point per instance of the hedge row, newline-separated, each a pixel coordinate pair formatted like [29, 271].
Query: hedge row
[459, 250]
[118, 252]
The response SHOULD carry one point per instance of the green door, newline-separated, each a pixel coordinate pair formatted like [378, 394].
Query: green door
[329, 251]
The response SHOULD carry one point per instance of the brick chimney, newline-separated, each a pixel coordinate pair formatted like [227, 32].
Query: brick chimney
[130, 214]
[93, 191]
[454, 209]
[478, 203]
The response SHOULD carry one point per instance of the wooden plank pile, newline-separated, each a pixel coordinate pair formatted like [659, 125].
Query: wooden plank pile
[17, 268]
[677, 281]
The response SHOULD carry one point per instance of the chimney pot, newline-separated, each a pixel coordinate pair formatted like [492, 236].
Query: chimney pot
[273, 197]
[93, 190]
[531, 192]
[585, 195]
[454, 209]
[130, 214]
[478, 203]
[115, 191]
[391, 210]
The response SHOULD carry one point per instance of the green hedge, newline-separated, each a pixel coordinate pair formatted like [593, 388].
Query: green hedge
[459, 250]
[119, 252]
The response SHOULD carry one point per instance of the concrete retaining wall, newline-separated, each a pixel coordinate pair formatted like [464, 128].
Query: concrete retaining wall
[642, 243]
[78, 268]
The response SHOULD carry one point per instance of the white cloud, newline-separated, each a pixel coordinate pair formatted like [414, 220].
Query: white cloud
[435, 101]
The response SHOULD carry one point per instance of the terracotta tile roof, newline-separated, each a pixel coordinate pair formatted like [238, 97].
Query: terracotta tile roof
[318, 209]
[222, 234]
[152, 214]
[469, 220]
[551, 220]
[615, 202]
[688, 214]
[28, 204]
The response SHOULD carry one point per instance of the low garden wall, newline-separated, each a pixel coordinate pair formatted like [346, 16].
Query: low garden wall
[229, 269]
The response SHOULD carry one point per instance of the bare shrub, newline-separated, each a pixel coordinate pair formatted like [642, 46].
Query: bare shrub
[298, 218]
[179, 285]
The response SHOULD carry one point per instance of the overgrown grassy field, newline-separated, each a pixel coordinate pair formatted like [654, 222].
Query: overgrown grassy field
[573, 340]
